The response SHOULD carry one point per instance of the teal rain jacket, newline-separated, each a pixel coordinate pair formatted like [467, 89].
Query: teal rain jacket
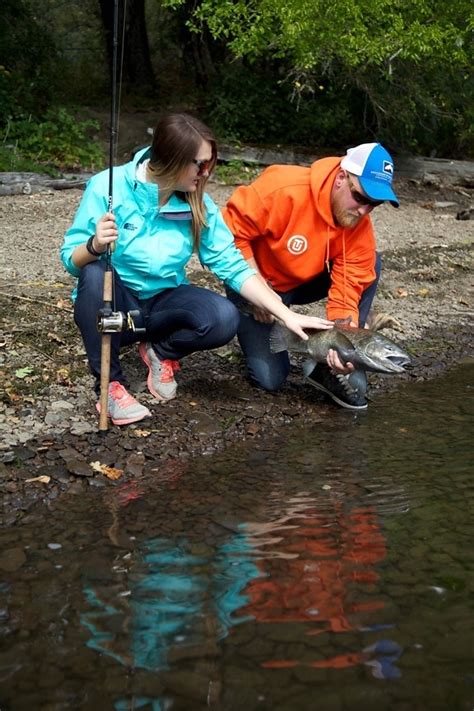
[155, 243]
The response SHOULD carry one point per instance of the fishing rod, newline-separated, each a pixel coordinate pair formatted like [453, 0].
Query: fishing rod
[110, 321]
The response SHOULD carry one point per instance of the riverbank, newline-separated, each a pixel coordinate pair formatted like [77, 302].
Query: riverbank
[48, 423]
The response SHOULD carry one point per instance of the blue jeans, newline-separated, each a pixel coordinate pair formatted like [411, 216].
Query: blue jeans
[270, 370]
[178, 321]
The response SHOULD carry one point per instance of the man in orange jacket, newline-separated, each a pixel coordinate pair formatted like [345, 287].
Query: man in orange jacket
[308, 232]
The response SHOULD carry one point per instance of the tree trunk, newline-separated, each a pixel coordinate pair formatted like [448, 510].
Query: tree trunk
[137, 70]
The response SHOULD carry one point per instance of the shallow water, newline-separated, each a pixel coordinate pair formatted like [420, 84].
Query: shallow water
[330, 567]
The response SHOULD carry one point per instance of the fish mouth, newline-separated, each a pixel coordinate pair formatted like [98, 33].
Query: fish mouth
[396, 364]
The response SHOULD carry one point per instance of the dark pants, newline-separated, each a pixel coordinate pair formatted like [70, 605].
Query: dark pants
[178, 321]
[269, 370]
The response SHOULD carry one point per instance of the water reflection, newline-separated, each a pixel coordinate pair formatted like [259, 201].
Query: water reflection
[329, 560]
[308, 562]
[318, 562]
[171, 598]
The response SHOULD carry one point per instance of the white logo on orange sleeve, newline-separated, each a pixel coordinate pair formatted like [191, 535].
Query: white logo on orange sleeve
[297, 244]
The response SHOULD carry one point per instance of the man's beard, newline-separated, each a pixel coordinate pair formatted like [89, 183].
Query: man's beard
[344, 218]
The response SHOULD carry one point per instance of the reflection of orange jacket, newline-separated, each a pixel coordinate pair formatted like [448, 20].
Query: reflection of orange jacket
[316, 585]
[284, 220]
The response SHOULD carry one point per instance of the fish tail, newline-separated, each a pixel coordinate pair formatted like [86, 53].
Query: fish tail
[278, 339]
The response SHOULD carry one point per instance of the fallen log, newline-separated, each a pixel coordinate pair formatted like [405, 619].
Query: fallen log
[28, 183]
[426, 170]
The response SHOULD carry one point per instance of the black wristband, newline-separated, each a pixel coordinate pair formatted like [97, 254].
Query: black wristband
[90, 247]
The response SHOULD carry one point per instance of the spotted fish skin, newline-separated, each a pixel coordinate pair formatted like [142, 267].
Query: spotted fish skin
[365, 349]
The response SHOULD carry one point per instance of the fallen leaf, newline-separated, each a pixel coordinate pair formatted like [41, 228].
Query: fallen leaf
[55, 337]
[192, 403]
[63, 304]
[43, 479]
[141, 433]
[423, 292]
[23, 372]
[109, 472]
[326, 487]
[253, 428]
[400, 292]
[62, 376]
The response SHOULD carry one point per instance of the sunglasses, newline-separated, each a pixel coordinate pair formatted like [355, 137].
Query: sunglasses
[203, 166]
[359, 198]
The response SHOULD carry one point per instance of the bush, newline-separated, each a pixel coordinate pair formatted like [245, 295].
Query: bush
[57, 141]
[253, 104]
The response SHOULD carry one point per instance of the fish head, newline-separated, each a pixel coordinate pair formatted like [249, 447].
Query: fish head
[382, 355]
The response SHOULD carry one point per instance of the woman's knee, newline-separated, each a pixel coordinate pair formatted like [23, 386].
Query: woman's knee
[222, 322]
[91, 280]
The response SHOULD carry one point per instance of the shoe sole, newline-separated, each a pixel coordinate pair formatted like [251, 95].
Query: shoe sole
[127, 421]
[334, 397]
[149, 381]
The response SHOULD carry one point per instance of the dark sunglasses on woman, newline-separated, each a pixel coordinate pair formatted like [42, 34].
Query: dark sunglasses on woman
[203, 166]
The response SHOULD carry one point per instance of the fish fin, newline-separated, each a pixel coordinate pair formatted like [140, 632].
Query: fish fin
[343, 321]
[308, 367]
[278, 340]
[376, 322]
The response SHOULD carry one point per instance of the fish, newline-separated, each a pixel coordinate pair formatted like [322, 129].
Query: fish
[364, 348]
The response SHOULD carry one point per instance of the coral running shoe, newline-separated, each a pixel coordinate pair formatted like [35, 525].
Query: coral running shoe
[123, 409]
[160, 381]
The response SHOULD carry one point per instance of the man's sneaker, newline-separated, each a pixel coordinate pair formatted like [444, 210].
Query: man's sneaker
[160, 381]
[348, 391]
[123, 408]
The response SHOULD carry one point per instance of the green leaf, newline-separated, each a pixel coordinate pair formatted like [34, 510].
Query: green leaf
[23, 372]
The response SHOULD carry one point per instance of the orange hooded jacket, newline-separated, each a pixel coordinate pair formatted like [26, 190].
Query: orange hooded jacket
[284, 221]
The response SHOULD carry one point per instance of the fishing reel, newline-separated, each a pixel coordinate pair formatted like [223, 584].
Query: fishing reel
[109, 321]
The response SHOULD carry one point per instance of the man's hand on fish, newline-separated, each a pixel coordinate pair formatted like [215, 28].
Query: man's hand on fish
[262, 315]
[337, 365]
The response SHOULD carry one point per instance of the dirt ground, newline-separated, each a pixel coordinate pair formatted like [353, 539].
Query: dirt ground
[48, 423]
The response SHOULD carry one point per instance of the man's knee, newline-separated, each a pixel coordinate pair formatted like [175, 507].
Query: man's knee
[378, 265]
[265, 377]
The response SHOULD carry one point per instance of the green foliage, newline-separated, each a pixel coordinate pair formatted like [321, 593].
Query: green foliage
[301, 72]
[57, 140]
[397, 71]
[11, 161]
[235, 172]
[250, 104]
[355, 32]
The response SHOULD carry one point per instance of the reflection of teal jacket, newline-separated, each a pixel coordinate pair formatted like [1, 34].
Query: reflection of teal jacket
[173, 596]
[155, 243]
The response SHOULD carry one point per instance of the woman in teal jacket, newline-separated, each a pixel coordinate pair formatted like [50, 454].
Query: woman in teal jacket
[161, 214]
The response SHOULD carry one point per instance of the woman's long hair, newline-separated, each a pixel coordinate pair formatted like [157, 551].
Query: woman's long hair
[176, 141]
